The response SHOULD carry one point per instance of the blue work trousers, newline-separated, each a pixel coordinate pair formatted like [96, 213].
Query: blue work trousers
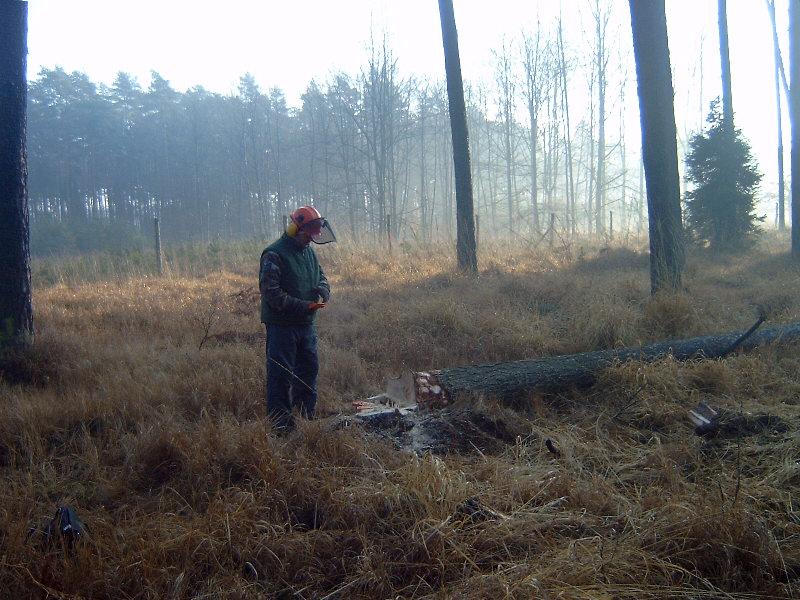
[292, 368]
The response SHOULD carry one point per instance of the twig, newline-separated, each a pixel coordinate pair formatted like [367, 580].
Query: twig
[630, 402]
[48, 590]
[740, 340]
[209, 321]
[738, 457]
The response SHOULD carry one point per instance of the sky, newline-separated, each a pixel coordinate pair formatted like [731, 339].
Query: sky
[285, 44]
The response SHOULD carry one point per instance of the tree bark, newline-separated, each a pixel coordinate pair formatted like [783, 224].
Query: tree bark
[16, 315]
[557, 373]
[659, 142]
[794, 112]
[465, 214]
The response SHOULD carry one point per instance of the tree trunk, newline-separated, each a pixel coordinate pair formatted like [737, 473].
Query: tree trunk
[794, 112]
[16, 315]
[534, 168]
[465, 214]
[640, 203]
[659, 142]
[778, 68]
[570, 191]
[558, 373]
[727, 95]
[423, 184]
[600, 184]
[591, 176]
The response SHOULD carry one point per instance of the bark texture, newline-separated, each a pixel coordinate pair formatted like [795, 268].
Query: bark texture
[16, 316]
[465, 214]
[562, 372]
[659, 142]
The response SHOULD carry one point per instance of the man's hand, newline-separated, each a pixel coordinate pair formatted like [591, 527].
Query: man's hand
[315, 306]
[323, 293]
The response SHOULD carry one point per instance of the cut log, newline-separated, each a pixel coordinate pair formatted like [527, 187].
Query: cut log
[557, 373]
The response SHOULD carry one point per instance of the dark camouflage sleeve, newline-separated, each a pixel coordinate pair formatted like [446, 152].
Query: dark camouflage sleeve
[269, 283]
[324, 287]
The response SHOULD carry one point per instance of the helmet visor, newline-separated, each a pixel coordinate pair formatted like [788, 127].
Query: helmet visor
[320, 231]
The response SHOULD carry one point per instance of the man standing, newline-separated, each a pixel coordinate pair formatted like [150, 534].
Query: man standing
[293, 288]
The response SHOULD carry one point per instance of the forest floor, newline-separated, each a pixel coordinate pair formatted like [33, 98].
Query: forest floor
[142, 407]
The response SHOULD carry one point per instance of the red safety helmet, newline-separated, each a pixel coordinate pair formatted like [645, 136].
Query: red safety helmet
[309, 220]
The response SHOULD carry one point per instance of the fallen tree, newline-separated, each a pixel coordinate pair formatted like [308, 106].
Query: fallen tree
[556, 373]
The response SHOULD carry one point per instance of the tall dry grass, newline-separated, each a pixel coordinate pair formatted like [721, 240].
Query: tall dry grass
[142, 406]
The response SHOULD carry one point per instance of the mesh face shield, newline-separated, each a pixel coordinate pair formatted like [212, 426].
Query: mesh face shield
[320, 231]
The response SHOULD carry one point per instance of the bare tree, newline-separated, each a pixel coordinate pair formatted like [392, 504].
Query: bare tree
[659, 142]
[534, 51]
[570, 180]
[16, 315]
[778, 70]
[507, 92]
[465, 215]
[601, 56]
[794, 112]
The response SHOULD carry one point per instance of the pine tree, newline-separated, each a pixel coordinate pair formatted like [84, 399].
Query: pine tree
[16, 317]
[466, 250]
[659, 143]
[721, 206]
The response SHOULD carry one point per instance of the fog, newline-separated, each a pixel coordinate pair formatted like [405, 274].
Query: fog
[262, 106]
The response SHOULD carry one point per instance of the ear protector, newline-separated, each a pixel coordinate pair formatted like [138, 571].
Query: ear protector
[291, 228]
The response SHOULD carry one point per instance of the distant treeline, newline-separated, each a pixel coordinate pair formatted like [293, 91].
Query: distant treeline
[371, 151]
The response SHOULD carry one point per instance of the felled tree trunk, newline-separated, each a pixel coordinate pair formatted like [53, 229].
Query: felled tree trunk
[552, 374]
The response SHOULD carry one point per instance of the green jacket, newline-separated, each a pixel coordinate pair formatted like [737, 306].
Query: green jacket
[290, 277]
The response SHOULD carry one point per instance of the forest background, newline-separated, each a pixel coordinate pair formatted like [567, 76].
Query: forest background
[552, 114]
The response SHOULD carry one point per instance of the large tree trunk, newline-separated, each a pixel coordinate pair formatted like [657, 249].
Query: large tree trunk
[558, 373]
[16, 320]
[465, 214]
[725, 59]
[659, 142]
[794, 111]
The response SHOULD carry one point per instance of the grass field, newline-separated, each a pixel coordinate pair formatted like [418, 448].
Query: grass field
[142, 406]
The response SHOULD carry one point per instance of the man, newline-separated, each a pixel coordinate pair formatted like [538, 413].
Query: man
[293, 288]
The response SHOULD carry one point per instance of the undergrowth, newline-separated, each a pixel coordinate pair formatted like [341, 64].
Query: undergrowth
[142, 406]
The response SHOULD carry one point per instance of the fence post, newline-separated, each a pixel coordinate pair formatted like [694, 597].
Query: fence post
[389, 231]
[611, 224]
[159, 255]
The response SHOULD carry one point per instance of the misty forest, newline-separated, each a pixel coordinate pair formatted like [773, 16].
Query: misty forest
[364, 148]
[526, 335]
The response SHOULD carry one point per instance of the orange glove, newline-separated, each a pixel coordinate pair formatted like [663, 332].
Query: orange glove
[314, 306]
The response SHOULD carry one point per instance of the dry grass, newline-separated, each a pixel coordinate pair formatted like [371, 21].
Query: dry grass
[142, 407]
